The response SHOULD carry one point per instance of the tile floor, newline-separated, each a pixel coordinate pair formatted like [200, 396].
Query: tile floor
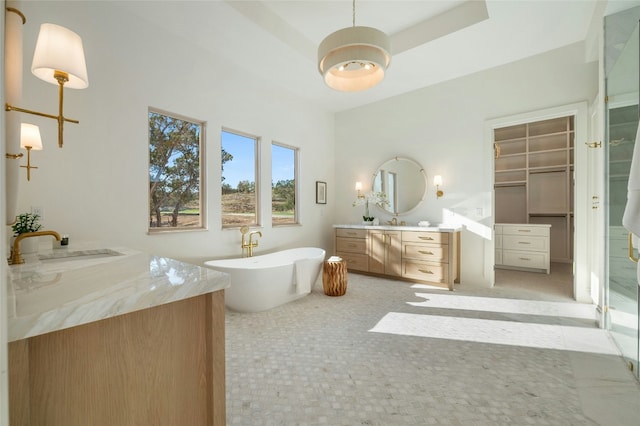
[397, 353]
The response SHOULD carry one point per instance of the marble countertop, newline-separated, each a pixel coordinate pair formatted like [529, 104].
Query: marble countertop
[66, 287]
[439, 228]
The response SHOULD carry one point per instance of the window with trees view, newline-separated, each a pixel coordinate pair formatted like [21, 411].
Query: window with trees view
[239, 192]
[176, 196]
[284, 195]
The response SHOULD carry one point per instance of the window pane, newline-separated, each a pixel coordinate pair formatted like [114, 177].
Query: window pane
[239, 195]
[175, 175]
[283, 184]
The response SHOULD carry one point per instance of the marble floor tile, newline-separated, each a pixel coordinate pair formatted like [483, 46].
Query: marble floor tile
[397, 353]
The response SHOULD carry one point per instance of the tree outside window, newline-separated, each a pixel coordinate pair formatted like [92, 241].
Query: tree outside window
[239, 191]
[284, 194]
[176, 198]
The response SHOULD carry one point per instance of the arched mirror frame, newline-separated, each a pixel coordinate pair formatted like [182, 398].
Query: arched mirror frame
[419, 169]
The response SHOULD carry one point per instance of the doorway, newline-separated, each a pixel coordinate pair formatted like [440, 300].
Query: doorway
[533, 198]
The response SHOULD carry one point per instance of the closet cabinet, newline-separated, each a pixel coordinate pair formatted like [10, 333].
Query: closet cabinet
[522, 246]
[534, 179]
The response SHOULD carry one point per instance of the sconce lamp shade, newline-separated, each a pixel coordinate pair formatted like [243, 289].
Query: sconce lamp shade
[30, 136]
[354, 58]
[358, 186]
[60, 49]
[437, 180]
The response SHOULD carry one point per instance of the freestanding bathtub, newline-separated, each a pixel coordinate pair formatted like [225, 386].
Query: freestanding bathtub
[263, 282]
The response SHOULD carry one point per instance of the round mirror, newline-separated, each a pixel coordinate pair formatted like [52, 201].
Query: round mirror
[403, 181]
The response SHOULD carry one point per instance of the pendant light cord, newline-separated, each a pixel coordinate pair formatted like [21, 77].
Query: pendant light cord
[354, 13]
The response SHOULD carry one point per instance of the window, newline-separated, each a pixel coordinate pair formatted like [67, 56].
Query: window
[239, 192]
[176, 196]
[284, 193]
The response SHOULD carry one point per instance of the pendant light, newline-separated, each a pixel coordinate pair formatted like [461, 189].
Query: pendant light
[354, 58]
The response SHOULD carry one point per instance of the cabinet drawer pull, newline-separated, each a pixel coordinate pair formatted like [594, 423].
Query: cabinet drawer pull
[524, 258]
[524, 230]
[425, 252]
[426, 238]
[425, 271]
[352, 233]
[524, 242]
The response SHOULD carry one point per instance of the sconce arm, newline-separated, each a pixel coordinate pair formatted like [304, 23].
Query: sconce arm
[62, 78]
[40, 114]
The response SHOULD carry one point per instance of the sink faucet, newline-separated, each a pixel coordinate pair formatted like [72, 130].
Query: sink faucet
[393, 221]
[16, 258]
[250, 244]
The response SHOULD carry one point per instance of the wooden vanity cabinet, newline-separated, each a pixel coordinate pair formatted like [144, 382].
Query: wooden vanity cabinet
[385, 254]
[423, 256]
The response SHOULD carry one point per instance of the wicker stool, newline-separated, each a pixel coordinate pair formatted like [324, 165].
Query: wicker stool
[334, 278]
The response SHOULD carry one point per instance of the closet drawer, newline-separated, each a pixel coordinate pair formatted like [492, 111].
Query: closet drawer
[541, 231]
[351, 233]
[518, 242]
[428, 252]
[424, 271]
[525, 260]
[352, 245]
[425, 237]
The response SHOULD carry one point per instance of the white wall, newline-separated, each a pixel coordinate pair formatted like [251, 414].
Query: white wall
[96, 187]
[441, 127]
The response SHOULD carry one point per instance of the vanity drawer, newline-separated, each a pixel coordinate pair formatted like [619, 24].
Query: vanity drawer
[524, 260]
[518, 242]
[425, 237]
[352, 245]
[425, 271]
[351, 233]
[428, 252]
[355, 262]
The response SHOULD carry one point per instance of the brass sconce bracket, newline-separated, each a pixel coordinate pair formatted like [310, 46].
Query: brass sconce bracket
[62, 78]
[28, 166]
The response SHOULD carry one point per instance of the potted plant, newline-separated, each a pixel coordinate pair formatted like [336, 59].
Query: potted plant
[377, 198]
[27, 222]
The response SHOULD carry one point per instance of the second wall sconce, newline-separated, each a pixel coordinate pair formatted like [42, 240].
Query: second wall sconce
[30, 140]
[359, 188]
[437, 182]
[58, 59]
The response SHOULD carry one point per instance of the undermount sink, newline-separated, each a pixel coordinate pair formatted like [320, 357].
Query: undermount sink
[64, 255]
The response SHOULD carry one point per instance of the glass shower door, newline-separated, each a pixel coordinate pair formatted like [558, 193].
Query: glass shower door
[621, 78]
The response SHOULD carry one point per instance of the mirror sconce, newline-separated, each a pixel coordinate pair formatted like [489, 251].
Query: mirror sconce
[358, 189]
[58, 59]
[437, 182]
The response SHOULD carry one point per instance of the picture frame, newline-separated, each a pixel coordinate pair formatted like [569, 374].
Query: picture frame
[321, 192]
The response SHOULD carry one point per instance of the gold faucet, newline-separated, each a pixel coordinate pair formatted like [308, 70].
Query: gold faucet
[393, 221]
[16, 258]
[250, 244]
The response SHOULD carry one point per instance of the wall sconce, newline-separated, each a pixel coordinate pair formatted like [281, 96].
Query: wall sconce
[359, 188]
[437, 182]
[30, 140]
[58, 59]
